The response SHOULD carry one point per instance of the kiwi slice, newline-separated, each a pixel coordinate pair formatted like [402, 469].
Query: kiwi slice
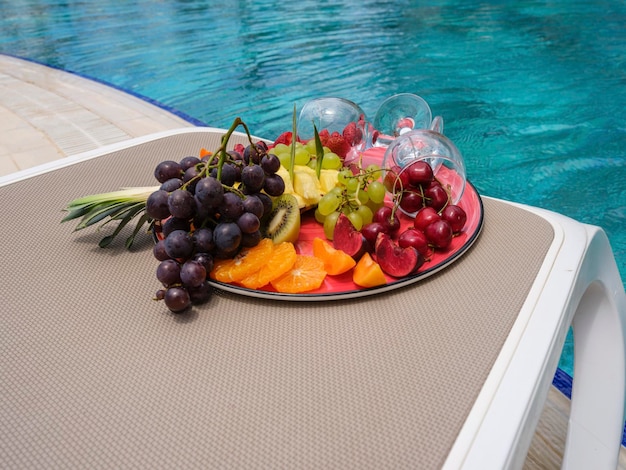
[283, 224]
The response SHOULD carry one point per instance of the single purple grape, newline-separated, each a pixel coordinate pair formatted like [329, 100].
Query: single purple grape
[227, 237]
[248, 222]
[232, 206]
[270, 163]
[179, 244]
[177, 299]
[252, 177]
[192, 273]
[189, 162]
[166, 170]
[274, 185]
[168, 272]
[157, 206]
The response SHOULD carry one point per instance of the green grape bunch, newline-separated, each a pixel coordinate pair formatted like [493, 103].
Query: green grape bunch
[358, 194]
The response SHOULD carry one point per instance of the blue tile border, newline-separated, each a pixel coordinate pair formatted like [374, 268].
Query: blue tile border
[186, 117]
[563, 382]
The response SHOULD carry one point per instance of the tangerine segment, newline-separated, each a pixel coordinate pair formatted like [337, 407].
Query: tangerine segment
[205, 153]
[335, 261]
[368, 273]
[306, 274]
[247, 262]
[282, 260]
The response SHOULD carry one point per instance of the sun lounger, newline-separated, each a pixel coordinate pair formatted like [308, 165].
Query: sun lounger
[451, 372]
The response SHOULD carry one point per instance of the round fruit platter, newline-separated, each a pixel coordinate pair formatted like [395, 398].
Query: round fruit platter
[240, 221]
[342, 286]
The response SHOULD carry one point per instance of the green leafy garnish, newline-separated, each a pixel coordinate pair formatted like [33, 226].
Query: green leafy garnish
[123, 206]
[319, 152]
[294, 131]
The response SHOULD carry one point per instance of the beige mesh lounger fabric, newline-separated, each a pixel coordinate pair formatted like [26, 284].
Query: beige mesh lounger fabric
[95, 374]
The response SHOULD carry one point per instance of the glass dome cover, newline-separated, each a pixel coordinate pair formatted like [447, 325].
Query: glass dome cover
[437, 150]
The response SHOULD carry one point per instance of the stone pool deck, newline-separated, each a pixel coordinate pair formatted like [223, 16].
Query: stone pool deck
[47, 114]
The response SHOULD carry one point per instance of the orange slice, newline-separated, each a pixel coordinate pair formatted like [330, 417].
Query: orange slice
[281, 260]
[306, 274]
[247, 262]
[335, 261]
[205, 153]
[368, 273]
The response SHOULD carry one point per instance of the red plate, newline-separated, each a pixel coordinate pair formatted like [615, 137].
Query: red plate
[342, 287]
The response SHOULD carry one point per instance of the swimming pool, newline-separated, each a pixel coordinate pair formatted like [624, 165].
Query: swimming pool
[533, 94]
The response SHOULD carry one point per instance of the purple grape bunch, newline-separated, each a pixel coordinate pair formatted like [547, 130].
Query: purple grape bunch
[206, 209]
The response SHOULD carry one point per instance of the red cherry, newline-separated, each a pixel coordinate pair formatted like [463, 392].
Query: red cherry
[394, 260]
[370, 232]
[456, 216]
[439, 233]
[436, 196]
[425, 217]
[416, 239]
[411, 201]
[388, 218]
[419, 172]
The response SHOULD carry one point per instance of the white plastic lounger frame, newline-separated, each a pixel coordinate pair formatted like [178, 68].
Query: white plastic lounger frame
[579, 285]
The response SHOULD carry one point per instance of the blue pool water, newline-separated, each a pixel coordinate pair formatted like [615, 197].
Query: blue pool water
[533, 93]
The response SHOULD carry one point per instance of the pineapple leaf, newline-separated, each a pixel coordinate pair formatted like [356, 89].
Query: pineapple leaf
[142, 220]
